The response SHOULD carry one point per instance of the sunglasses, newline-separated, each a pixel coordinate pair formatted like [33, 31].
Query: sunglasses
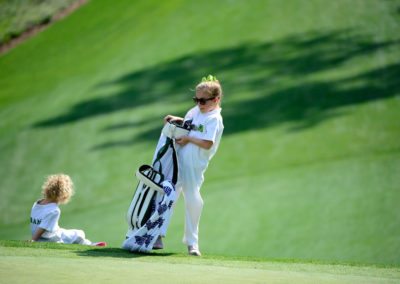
[202, 101]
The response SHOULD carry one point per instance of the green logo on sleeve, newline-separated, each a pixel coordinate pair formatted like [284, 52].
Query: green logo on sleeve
[199, 128]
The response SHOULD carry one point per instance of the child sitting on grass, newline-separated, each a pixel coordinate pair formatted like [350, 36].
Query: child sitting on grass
[45, 214]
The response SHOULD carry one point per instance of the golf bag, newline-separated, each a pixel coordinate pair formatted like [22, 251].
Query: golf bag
[150, 211]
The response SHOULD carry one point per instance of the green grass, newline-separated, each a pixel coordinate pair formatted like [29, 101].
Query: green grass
[21, 262]
[308, 165]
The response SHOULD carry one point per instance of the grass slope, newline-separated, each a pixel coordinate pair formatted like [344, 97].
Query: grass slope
[308, 165]
[21, 262]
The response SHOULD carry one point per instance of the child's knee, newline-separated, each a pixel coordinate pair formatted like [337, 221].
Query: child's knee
[194, 200]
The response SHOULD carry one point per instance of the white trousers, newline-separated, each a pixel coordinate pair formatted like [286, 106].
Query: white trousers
[73, 236]
[68, 236]
[190, 181]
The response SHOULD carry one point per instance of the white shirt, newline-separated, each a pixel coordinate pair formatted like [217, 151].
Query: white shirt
[46, 217]
[208, 126]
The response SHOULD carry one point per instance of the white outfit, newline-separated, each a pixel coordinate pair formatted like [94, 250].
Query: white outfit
[46, 217]
[193, 161]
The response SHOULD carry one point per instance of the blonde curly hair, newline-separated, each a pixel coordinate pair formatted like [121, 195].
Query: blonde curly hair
[58, 188]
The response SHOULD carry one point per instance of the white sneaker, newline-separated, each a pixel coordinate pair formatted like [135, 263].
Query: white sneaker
[193, 251]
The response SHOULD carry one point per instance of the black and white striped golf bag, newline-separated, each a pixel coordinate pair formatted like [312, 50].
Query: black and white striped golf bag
[151, 208]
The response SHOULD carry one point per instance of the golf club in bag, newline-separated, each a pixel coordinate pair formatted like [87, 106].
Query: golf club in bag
[151, 208]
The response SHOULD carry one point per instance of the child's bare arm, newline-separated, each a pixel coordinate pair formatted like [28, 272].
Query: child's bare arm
[172, 117]
[205, 144]
[39, 232]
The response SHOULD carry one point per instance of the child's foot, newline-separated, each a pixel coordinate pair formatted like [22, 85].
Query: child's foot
[100, 244]
[158, 244]
[192, 250]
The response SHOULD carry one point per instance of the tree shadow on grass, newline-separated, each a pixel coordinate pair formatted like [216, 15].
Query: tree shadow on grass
[266, 84]
[310, 103]
[119, 253]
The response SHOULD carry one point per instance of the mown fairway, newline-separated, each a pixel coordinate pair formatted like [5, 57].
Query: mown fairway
[309, 164]
[20, 263]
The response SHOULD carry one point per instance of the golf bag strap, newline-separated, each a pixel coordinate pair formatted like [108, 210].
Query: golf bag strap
[175, 163]
[161, 153]
[168, 143]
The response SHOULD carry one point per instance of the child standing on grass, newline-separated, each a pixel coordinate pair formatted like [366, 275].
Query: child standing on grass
[45, 214]
[195, 151]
